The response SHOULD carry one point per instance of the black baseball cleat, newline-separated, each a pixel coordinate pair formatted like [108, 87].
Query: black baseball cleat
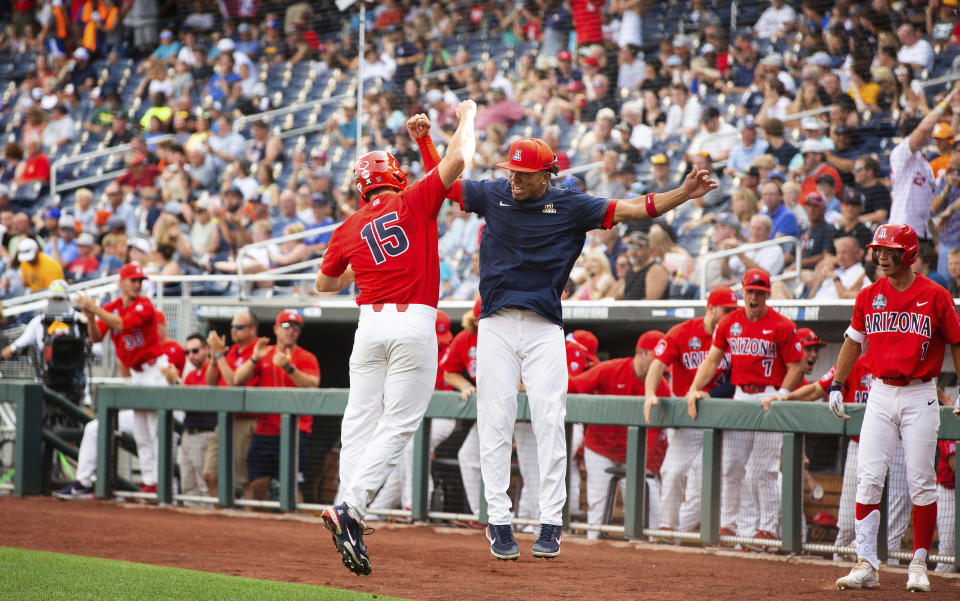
[502, 544]
[348, 537]
[547, 545]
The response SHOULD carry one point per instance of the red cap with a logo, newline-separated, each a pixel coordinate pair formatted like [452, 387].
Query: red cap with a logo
[722, 296]
[132, 271]
[756, 279]
[529, 156]
[648, 340]
[443, 328]
[564, 55]
[288, 316]
[807, 337]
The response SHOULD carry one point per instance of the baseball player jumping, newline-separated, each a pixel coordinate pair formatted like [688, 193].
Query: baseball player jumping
[764, 355]
[682, 350]
[389, 247]
[533, 235]
[908, 320]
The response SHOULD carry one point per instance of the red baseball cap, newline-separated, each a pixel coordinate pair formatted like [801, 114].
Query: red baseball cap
[756, 279]
[591, 61]
[132, 271]
[564, 55]
[530, 155]
[648, 340]
[288, 316]
[443, 328]
[808, 337]
[587, 339]
[815, 198]
[722, 296]
[476, 310]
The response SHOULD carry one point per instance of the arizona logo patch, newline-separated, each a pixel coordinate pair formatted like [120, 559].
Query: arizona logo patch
[516, 155]
[548, 208]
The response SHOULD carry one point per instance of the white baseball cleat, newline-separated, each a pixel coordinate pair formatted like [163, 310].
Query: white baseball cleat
[863, 575]
[917, 581]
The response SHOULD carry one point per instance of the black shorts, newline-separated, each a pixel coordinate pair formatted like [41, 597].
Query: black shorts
[263, 458]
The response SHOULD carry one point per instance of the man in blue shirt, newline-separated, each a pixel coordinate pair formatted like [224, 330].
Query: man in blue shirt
[784, 221]
[533, 235]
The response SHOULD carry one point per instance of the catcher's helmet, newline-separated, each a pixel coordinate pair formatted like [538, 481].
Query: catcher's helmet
[378, 169]
[895, 235]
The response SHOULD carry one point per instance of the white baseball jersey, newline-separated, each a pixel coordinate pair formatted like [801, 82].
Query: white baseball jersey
[912, 192]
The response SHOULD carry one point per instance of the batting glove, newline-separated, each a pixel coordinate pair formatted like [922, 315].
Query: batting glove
[836, 401]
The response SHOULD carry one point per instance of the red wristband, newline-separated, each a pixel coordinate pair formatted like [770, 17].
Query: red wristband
[651, 207]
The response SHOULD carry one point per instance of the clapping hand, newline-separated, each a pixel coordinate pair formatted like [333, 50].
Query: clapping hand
[260, 348]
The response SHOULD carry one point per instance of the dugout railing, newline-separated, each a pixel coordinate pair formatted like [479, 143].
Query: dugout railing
[793, 419]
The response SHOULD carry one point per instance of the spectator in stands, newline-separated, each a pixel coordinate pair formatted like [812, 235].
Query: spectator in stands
[60, 129]
[945, 209]
[715, 137]
[595, 281]
[219, 86]
[781, 150]
[746, 149]
[120, 209]
[603, 180]
[83, 211]
[817, 240]
[293, 251]
[953, 268]
[850, 224]
[783, 221]
[769, 258]
[647, 279]
[203, 175]
[814, 166]
[844, 153]
[631, 68]
[12, 156]
[268, 192]
[943, 139]
[61, 244]
[683, 116]
[37, 269]
[36, 167]
[343, 124]
[926, 264]
[224, 143]
[876, 204]
[663, 179]
[283, 365]
[826, 187]
[264, 148]
[776, 19]
[726, 226]
[85, 265]
[600, 135]
[288, 213]
[120, 132]
[138, 175]
[914, 50]
[499, 109]
[322, 210]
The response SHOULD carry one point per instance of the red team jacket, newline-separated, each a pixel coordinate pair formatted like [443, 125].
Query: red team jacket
[616, 377]
[759, 350]
[270, 376]
[138, 342]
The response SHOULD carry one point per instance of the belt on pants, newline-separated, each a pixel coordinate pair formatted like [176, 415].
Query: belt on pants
[196, 430]
[144, 364]
[903, 381]
[401, 307]
[753, 388]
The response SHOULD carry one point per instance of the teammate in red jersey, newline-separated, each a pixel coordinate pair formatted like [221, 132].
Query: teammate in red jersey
[907, 321]
[606, 446]
[283, 365]
[682, 350]
[946, 502]
[132, 322]
[389, 248]
[172, 349]
[764, 356]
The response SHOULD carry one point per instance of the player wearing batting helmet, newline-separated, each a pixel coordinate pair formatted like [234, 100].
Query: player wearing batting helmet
[907, 321]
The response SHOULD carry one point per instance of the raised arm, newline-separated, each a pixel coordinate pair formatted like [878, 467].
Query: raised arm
[462, 145]
[419, 128]
[697, 184]
[921, 135]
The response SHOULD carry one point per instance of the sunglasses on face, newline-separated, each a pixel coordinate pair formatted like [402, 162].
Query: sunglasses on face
[193, 351]
[239, 326]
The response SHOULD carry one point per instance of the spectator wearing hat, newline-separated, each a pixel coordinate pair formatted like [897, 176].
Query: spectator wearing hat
[283, 365]
[663, 178]
[814, 166]
[849, 224]
[566, 71]
[817, 239]
[167, 51]
[777, 18]
[37, 269]
[139, 174]
[36, 167]
[945, 209]
[716, 137]
[61, 244]
[745, 150]
[943, 138]
[781, 150]
[48, 223]
[684, 114]
[85, 265]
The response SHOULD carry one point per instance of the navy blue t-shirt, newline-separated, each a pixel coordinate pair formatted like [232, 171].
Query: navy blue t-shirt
[528, 248]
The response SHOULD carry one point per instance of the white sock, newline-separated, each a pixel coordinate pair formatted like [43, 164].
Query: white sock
[866, 539]
[920, 555]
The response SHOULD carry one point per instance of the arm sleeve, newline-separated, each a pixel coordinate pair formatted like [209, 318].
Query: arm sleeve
[307, 363]
[857, 321]
[431, 158]
[427, 192]
[143, 313]
[588, 382]
[32, 335]
[666, 350]
[827, 378]
[476, 194]
[789, 346]
[334, 263]
[720, 335]
[592, 212]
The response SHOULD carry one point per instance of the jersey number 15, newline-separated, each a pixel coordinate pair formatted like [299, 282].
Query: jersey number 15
[385, 237]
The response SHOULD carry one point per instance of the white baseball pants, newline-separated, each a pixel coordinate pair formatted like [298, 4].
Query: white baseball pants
[469, 458]
[573, 494]
[910, 414]
[946, 514]
[145, 422]
[898, 499]
[681, 481]
[393, 369]
[87, 453]
[598, 490]
[397, 491]
[513, 346]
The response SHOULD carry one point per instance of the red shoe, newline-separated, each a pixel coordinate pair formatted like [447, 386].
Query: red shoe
[149, 488]
[760, 548]
[727, 532]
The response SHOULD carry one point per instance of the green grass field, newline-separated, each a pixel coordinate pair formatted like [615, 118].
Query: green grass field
[40, 576]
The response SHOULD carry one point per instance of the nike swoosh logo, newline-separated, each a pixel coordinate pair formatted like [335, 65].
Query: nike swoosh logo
[931, 402]
[919, 304]
[503, 204]
[767, 331]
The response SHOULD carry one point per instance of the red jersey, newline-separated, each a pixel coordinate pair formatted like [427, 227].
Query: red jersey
[945, 475]
[588, 20]
[617, 377]
[174, 352]
[270, 376]
[683, 349]
[441, 384]
[759, 350]
[857, 386]
[577, 358]
[907, 331]
[461, 356]
[391, 244]
[138, 342]
[236, 357]
[197, 377]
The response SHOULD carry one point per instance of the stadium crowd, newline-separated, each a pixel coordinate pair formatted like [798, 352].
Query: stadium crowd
[797, 108]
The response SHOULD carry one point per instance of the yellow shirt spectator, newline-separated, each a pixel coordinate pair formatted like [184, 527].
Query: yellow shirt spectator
[163, 113]
[38, 275]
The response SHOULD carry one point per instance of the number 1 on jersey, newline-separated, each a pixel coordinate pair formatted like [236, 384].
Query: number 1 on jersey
[384, 237]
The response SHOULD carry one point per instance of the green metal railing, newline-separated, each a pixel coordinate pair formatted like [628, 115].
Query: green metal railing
[793, 419]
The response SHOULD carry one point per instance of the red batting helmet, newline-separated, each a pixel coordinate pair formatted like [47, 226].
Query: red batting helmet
[378, 169]
[896, 235]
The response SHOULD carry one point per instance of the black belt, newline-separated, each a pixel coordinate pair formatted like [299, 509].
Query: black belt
[196, 430]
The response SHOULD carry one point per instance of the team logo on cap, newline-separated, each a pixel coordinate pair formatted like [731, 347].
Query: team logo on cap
[694, 344]
[548, 208]
[735, 329]
[882, 233]
[879, 302]
[516, 155]
[661, 347]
